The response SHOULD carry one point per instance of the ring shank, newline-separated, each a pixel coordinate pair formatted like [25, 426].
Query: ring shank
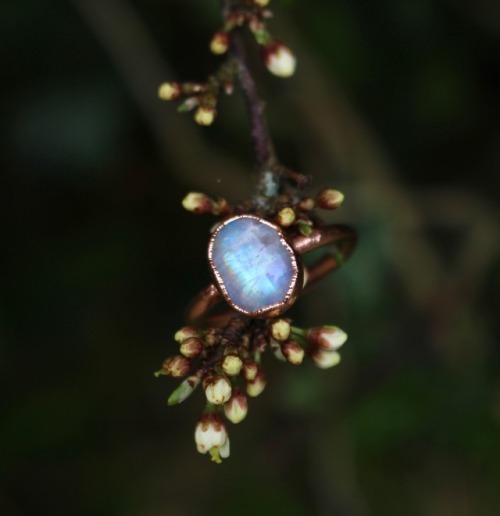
[341, 241]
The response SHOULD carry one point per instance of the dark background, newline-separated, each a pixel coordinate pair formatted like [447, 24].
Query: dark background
[396, 104]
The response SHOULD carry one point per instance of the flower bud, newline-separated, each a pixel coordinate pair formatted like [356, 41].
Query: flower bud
[184, 390]
[293, 352]
[176, 366]
[187, 331]
[261, 3]
[232, 364]
[285, 217]
[279, 59]
[188, 105]
[237, 407]
[306, 204]
[211, 436]
[328, 338]
[325, 359]
[280, 329]
[217, 388]
[228, 87]
[170, 91]
[198, 203]
[329, 199]
[219, 43]
[250, 369]
[256, 386]
[204, 115]
[191, 347]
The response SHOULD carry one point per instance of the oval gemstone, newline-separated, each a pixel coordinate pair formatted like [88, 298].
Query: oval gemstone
[254, 267]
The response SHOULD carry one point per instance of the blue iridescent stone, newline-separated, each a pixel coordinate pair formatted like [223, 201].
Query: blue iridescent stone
[254, 267]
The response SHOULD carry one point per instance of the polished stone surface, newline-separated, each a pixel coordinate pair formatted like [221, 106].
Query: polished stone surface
[255, 267]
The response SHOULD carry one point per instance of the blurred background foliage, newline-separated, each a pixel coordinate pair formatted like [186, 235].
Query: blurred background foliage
[395, 103]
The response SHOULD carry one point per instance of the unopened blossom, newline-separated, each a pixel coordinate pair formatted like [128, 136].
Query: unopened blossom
[219, 43]
[217, 388]
[187, 331]
[280, 329]
[211, 436]
[184, 390]
[285, 217]
[328, 338]
[256, 386]
[250, 369]
[204, 115]
[191, 347]
[261, 3]
[170, 91]
[176, 366]
[279, 59]
[232, 364]
[198, 203]
[237, 407]
[329, 199]
[325, 359]
[293, 352]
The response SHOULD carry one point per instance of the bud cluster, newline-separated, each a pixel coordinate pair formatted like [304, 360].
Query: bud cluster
[226, 363]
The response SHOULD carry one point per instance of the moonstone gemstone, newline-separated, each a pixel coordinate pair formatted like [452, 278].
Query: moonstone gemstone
[253, 265]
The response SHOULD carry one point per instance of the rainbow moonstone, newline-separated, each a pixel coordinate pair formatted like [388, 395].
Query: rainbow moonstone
[254, 267]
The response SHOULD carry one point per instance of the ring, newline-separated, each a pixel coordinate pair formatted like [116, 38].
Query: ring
[258, 269]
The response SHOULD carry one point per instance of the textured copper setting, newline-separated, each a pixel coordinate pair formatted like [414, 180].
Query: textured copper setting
[339, 240]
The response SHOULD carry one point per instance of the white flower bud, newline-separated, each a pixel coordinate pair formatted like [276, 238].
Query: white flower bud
[198, 203]
[293, 352]
[169, 91]
[285, 217]
[232, 364]
[256, 386]
[187, 331]
[328, 338]
[219, 43]
[191, 347]
[217, 388]
[279, 59]
[204, 115]
[237, 407]
[325, 359]
[329, 199]
[211, 436]
[280, 329]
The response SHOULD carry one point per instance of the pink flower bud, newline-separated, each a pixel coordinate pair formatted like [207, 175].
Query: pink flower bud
[237, 407]
[256, 386]
[328, 338]
[293, 352]
[217, 388]
[279, 59]
[211, 436]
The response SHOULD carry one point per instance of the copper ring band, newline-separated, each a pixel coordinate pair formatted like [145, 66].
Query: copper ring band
[342, 240]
